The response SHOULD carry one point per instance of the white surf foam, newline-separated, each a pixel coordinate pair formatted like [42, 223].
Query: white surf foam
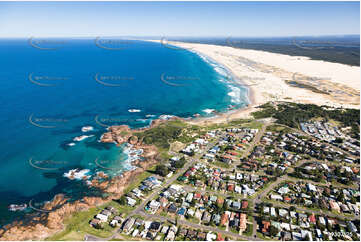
[208, 110]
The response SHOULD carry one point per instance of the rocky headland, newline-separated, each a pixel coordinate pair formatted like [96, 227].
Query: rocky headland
[50, 218]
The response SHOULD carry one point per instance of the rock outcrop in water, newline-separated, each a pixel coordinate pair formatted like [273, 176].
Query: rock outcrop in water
[46, 224]
[117, 134]
[40, 225]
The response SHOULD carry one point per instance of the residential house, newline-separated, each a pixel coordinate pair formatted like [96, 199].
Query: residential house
[95, 222]
[265, 226]
[102, 217]
[206, 217]
[128, 225]
[243, 222]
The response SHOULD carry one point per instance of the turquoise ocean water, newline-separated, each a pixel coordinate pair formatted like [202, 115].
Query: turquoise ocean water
[50, 89]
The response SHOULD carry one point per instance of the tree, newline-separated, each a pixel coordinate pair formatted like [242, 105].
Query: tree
[273, 231]
[161, 170]
[338, 140]
[180, 163]
[122, 200]
[354, 200]
[99, 226]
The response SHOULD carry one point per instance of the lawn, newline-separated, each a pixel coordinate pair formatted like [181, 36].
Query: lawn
[249, 230]
[253, 125]
[77, 225]
[193, 220]
[220, 164]
[139, 179]
[260, 235]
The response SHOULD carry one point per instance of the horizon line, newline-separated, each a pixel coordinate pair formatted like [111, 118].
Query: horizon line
[180, 36]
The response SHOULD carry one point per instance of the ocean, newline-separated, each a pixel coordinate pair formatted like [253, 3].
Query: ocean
[52, 88]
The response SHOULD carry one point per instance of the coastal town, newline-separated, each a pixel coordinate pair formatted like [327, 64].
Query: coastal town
[180, 120]
[257, 180]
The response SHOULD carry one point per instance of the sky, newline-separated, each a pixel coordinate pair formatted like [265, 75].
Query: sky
[191, 19]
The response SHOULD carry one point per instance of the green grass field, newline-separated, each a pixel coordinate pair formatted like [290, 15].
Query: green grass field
[77, 225]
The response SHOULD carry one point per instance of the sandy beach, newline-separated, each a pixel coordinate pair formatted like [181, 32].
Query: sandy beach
[277, 77]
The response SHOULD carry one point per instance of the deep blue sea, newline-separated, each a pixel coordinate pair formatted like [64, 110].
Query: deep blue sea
[50, 89]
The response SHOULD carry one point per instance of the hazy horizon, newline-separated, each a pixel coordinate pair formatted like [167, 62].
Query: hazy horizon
[184, 36]
[178, 19]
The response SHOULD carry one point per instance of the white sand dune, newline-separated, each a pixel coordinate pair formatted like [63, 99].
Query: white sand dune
[266, 74]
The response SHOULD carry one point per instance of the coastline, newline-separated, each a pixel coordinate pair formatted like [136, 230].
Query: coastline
[49, 219]
[250, 91]
[243, 112]
[221, 117]
[270, 81]
[53, 213]
[54, 221]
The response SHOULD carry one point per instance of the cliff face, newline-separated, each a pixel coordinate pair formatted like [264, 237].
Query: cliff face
[46, 224]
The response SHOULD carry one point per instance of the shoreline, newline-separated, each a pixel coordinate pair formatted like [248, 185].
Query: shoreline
[268, 77]
[122, 181]
[222, 117]
[250, 91]
[49, 220]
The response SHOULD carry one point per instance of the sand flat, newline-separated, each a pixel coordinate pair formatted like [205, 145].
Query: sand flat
[268, 77]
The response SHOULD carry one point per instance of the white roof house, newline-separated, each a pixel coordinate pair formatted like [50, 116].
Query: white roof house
[201, 141]
[164, 229]
[237, 189]
[311, 187]
[276, 197]
[190, 212]
[131, 201]
[189, 197]
[273, 211]
[135, 232]
[176, 187]
[102, 217]
[211, 236]
[209, 156]
[266, 209]
[283, 212]
[283, 190]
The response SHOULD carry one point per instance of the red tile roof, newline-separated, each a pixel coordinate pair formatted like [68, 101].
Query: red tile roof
[224, 219]
[312, 218]
[244, 204]
[266, 225]
[219, 237]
